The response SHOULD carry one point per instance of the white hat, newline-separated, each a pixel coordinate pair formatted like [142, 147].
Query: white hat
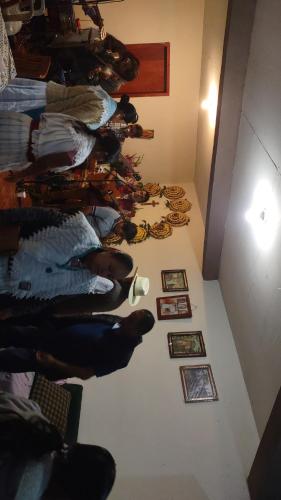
[138, 288]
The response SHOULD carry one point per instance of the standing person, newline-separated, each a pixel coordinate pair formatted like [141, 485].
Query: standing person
[36, 464]
[91, 105]
[62, 348]
[65, 257]
[57, 142]
[86, 59]
[28, 311]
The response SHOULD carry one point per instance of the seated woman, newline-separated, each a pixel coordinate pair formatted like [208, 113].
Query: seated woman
[91, 105]
[58, 256]
[56, 142]
[36, 464]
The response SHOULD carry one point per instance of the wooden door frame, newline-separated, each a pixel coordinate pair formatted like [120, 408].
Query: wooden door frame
[167, 73]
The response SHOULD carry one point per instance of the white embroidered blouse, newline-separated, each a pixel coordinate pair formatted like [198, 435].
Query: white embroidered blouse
[41, 267]
[57, 134]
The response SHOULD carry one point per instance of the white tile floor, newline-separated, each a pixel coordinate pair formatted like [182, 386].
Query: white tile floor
[250, 276]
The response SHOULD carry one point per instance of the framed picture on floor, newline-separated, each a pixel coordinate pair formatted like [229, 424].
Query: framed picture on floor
[186, 345]
[198, 383]
[173, 307]
[174, 280]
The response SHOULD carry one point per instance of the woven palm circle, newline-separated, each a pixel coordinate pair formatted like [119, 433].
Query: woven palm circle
[142, 234]
[177, 219]
[112, 239]
[173, 192]
[160, 230]
[182, 205]
[152, 188]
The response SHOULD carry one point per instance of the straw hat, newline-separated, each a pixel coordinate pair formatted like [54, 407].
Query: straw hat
[138, 288]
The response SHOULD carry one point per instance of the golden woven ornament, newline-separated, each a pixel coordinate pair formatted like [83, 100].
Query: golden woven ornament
[182, 205]
[173, 192]
[112, 239]
[152, 188]
[160, 230]
[142, 234]
[177, 219]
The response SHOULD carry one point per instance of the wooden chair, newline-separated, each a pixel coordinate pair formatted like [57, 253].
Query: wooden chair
[32, 66]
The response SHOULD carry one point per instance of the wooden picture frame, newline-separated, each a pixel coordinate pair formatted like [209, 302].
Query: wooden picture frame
[198, 384]
[186, 344]
[174, 280]
[173, 307]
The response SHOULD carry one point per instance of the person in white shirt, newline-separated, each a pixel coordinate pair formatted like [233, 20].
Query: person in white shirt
[106, 220]
[64, 257]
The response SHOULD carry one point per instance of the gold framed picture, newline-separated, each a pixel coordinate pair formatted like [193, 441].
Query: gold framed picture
[173, 307]
[186, 344]
[174, 280]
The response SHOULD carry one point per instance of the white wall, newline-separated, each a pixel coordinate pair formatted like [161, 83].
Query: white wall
[250, 273]
[173, 118]
[213, 38]
[166, 449]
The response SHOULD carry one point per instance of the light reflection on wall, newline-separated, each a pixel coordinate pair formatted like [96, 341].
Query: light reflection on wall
[264, 215]
[210, 104]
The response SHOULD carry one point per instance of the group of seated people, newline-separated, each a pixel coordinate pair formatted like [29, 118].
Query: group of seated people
[55, 274]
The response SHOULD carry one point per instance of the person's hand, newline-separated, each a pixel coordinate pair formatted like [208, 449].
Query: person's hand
[103, 33]
[45, 359]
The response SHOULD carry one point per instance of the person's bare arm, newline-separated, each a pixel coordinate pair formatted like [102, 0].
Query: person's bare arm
[42, 165]
[54, 368]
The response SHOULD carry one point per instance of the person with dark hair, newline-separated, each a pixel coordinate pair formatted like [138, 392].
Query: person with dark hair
[129, 230]
[140, 196]
[127, 200]
[87, 472]
[89, 104]
[107, 148]
[36, 464]
[132, 131]
[57, 143]
[106, 220]
[57, 257]
[30, 311]
[86, 59]
[65, 347]
[125, 113]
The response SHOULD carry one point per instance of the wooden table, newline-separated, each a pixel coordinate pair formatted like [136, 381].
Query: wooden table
[7, 65]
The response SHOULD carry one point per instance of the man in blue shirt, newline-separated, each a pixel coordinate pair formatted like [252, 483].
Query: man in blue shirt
[106, 220]
[69, 348]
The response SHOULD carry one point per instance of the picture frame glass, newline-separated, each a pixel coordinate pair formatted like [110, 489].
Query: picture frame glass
[186, 344]
[173, 307]
[198, 383]
[174, 280]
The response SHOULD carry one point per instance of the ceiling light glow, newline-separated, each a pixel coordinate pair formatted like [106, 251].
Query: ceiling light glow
[264, 215]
